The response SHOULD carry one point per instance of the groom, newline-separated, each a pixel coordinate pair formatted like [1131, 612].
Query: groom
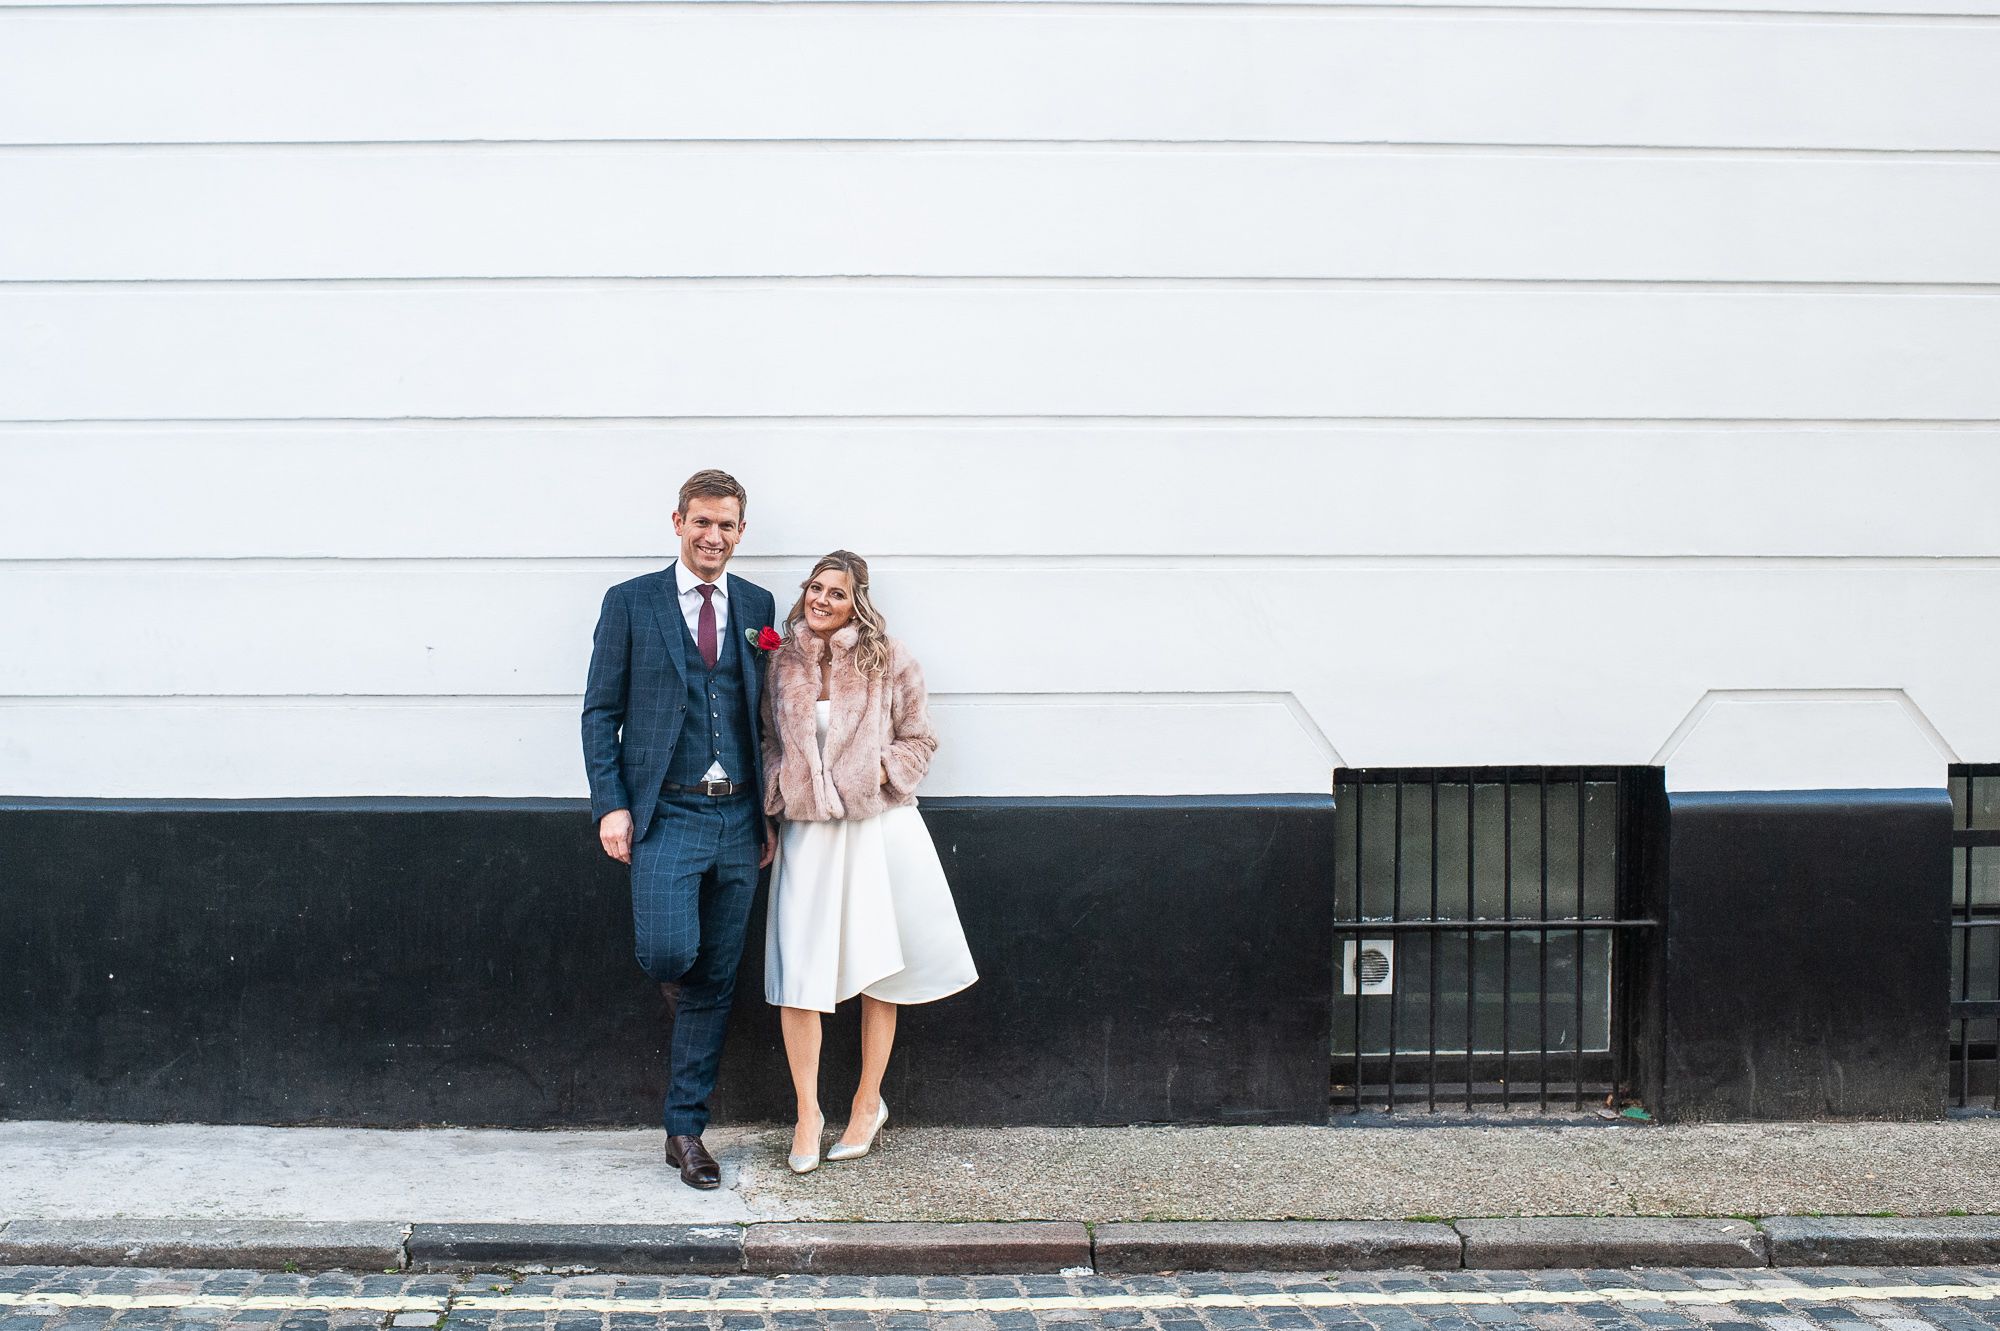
[670, 740]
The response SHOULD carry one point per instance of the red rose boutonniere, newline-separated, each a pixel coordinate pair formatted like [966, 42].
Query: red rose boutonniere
[765, 639]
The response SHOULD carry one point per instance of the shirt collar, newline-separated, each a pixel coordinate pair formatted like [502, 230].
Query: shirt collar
[686, 581]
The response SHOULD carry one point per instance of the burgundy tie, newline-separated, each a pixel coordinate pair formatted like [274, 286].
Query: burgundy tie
[705, 635]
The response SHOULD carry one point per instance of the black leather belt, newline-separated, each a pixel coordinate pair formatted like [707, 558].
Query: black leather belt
[716, 788]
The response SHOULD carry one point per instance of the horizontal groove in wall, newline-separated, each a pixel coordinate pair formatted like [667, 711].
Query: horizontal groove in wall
[892, 281]
[272, 700]
[324, 804]
[1051, 146]
[1025, 698]
[1094, 7]
[768, 565]
[38, 424]
[453, 424]
[1142, 281]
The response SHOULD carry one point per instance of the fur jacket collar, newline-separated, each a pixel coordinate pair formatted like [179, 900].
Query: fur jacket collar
[878, 722]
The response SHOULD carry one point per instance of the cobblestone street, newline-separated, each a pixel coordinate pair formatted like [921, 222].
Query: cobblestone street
[1836, 1299]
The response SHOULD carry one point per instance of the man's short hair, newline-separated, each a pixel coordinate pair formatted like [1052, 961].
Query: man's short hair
[713, 484]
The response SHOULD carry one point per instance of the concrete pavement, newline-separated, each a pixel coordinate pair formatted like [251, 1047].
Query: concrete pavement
[57, 1171]
[1520, 1168]
[79, 1171]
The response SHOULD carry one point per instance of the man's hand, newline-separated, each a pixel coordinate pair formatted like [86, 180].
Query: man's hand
[614, 832]
[770, 846]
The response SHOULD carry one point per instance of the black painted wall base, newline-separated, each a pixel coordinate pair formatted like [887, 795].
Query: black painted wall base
[1807, 964]
[404, 962]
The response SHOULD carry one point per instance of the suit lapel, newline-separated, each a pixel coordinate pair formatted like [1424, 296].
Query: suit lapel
[740, 621]
[666, 606]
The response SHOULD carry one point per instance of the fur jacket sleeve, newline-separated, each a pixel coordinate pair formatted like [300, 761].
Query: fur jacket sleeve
[878, 722]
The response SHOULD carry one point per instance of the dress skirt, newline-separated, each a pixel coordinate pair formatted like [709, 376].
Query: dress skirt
[862, 907]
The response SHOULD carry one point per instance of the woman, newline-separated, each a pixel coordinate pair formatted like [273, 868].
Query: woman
[859, 903]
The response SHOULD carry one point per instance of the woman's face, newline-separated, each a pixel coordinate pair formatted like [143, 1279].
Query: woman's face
[829, 602]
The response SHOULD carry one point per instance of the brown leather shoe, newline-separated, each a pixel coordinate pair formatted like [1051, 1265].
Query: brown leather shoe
[697, 1166]
[672, 993]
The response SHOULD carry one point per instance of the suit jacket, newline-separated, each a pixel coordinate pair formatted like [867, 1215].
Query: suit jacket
[634, 702]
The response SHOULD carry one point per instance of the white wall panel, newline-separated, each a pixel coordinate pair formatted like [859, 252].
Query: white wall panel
[201, 73]
[1145, 744]
[1040, 490]
[275, 748]
[372, 629]
[679, 210]
[1026, 348]
[1805, 739]
[1420, 662]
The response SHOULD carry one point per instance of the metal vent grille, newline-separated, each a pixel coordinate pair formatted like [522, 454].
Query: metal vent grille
[1494, 897]
[1975, 933]
[1368, 966]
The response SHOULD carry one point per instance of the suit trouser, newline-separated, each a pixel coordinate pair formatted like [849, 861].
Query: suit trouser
[693, 880]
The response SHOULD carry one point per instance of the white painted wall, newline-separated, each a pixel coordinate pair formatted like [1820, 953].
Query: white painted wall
[1050, 71]
[1091, 210]
[1223, 392]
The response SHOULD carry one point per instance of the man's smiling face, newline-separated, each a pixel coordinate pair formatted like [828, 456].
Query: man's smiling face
[709, 531]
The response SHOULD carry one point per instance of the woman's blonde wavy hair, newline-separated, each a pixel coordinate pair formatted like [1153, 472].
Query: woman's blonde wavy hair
[871, 653]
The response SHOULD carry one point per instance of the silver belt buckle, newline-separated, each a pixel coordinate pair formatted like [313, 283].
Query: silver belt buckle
[713, 788]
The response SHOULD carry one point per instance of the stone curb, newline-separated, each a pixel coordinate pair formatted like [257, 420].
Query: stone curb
[641, 1249]
[1008, 1247]
[1287, 1245]
[268, 1245]
[1798, 1240]
[917, 1248]
[1607, 1241]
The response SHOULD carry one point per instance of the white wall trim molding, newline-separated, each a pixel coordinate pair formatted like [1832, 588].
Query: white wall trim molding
[1805, 739]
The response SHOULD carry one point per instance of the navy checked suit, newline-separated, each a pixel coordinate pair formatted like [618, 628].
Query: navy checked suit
[694, 857]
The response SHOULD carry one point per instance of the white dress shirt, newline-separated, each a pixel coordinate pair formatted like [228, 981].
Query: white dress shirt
[685, 579]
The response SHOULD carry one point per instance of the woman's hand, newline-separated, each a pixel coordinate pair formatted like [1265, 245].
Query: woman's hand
[883, 779]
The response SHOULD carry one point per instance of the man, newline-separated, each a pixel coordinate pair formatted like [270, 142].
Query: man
[671, 743]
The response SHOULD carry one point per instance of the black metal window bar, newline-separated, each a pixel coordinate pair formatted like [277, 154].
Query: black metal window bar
[1975, 932]
[1483, 928]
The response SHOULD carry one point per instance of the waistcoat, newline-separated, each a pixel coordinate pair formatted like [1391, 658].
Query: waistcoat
[718, 711]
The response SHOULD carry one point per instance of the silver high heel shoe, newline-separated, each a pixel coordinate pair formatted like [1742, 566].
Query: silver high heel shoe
[842, 1151]
[806, 1164]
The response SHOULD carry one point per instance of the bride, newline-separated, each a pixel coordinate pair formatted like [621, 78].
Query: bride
[859, 902]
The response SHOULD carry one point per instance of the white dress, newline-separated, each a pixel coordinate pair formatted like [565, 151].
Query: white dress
[861, 907]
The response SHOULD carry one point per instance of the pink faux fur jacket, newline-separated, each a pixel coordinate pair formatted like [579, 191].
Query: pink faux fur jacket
[876, 721]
